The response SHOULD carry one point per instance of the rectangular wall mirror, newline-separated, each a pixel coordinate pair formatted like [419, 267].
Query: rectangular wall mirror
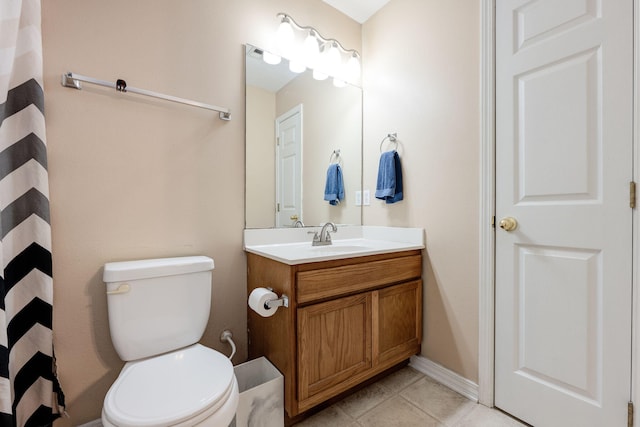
[296, 127]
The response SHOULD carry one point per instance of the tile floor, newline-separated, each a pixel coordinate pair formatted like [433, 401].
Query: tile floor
[407, 398]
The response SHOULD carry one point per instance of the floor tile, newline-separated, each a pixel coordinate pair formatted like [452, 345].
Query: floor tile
[363, 400]
[481, 416]
[408, 398]
[437, 400]
[332, 416]
[397, 412]
[401, 379]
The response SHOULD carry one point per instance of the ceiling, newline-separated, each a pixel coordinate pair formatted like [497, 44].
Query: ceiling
[358, 10]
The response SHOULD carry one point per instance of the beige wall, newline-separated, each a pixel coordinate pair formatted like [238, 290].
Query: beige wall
[260, 154]
[421, 79]
[332, 120]
[133, 177]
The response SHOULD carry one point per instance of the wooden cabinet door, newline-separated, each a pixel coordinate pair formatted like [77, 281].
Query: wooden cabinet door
[334, 346]
[397, 323]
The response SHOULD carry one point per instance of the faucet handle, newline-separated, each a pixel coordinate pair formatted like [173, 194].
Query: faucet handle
[316, 236]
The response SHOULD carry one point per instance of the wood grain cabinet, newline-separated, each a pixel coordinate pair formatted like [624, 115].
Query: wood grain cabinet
[347, 321]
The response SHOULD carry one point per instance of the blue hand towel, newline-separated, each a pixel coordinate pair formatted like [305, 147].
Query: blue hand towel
[334, 188]
[389, 185]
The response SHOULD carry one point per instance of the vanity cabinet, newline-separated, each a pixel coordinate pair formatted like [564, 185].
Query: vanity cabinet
[347, 321]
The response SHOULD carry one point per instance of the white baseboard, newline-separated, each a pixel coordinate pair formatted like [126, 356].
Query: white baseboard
[94, 423]
[446, 377]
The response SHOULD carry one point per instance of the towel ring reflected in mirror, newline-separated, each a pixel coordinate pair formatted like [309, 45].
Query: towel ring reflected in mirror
[393, 139]
[335, 157]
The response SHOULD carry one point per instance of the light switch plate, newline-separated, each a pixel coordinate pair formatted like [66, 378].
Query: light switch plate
[366, 198]
[358, 198]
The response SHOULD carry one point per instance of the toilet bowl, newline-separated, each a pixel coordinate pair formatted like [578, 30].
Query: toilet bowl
[187, 387]
[168, 380]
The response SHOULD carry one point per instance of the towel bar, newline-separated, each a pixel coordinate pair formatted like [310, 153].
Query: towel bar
[73, 80]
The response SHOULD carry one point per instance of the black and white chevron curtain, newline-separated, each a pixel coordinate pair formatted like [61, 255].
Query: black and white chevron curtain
[29, 391]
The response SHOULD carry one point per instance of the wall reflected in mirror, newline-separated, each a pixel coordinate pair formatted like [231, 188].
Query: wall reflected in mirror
[295, 127]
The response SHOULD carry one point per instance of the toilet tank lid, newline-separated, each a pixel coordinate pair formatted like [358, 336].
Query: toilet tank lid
[147, 268]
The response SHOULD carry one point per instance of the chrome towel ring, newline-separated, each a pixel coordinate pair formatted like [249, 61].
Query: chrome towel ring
[393, 138]
[335, 157]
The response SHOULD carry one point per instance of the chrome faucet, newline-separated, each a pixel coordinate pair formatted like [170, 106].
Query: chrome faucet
[324, 238]
[298, 224]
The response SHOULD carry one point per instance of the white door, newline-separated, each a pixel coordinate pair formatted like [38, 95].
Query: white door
[289, 167]
[563, 167]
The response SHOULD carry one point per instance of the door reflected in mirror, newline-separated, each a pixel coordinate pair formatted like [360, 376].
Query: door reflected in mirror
[296, 127]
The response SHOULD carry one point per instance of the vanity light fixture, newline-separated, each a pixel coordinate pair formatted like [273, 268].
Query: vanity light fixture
[324, 56]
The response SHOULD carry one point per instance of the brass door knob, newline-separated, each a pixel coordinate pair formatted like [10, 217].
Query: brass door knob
[508, 224]
[294, 217]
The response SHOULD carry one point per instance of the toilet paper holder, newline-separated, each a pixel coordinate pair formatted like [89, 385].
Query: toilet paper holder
[283, 301]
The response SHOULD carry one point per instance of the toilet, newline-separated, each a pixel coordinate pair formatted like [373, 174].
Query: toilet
[158, 311]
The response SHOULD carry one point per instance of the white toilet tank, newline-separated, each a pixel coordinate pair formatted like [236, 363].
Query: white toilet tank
[157, 305]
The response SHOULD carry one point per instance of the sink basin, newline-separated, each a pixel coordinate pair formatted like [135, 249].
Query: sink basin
[299, 253]
[338, 248]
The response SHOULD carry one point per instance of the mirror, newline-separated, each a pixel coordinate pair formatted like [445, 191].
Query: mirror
[295, 128]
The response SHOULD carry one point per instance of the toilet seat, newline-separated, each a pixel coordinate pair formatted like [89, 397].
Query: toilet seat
[182, 387]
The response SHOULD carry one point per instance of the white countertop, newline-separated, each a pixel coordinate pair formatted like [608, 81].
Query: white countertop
[293, 245]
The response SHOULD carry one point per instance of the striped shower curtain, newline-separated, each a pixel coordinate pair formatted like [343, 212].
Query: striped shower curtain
[29, 391]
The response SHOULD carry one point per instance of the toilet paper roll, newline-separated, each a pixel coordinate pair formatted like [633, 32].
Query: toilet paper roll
[257, 300]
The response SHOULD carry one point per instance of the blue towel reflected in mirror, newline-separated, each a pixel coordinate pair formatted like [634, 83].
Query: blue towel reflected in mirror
[334, 188]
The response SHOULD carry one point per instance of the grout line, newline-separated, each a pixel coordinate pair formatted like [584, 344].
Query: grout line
[424, 411]
[396, 393]
[446, 423]
[391, 394]
[342, 410]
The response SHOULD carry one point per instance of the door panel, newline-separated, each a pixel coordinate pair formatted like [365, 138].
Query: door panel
[533, 23]
[289, 167]
[563, 166]
[564, 132]
[568, 334]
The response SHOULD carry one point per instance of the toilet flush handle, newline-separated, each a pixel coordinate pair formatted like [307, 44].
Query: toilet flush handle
[122, 289]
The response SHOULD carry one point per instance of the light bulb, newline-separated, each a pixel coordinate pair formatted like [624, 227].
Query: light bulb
[271, 58]
[285, 36]
[353, 67]
[339, 82]
[319, 75]
[311, 49]
[333, 59]
[322, 68]
[296, 66]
